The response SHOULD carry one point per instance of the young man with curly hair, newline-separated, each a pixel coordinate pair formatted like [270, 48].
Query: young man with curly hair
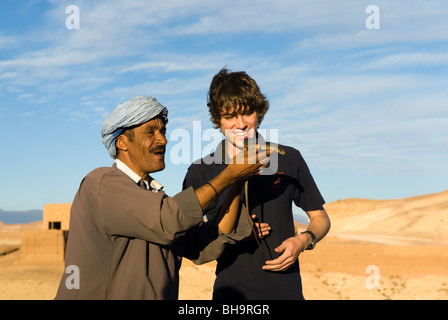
[265, 265]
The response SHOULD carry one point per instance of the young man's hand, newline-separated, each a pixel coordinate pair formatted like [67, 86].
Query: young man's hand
[290, 250]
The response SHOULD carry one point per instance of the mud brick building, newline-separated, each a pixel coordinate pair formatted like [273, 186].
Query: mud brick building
[48, 243]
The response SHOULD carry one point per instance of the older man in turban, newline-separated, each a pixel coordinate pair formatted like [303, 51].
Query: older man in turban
[126, 235]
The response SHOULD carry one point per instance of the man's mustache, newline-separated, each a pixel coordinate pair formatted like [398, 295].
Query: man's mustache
[157, 149]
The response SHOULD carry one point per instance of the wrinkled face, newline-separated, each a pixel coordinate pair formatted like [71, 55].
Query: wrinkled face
[145, 147]
[236, 126]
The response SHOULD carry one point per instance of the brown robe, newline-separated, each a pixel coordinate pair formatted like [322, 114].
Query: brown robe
[126, 241]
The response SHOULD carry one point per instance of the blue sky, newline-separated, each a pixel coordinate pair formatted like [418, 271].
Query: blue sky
[368, 108]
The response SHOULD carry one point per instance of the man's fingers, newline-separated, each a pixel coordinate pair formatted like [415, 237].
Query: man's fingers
[279, 264]
[263, 229]
[263, 156]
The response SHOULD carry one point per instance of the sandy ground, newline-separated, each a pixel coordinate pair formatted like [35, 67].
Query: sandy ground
[24, 281]
[337, 270]
[408, 261]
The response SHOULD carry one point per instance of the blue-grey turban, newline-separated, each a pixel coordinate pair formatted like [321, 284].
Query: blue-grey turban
[133, 112]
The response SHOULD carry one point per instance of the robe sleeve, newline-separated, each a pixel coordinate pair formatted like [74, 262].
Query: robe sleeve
[129, 211]
[206, 242]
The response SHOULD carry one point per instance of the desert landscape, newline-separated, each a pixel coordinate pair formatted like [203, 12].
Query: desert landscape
[375, 250]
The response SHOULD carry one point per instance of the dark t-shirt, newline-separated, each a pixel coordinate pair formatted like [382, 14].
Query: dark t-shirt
[239, 272]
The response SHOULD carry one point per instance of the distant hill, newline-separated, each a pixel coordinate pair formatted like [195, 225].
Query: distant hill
[422, 217]
[14, 217]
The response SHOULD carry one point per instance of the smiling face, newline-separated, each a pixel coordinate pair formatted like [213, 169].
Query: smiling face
[142, 148]
[238, 125]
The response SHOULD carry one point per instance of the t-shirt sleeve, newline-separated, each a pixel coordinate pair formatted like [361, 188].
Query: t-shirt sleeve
[306, 193]
[193, 178]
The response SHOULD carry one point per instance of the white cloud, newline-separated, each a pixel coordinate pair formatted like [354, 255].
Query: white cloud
[120, 29]
[337, 89]
[25, 96]
[168, 62]
[413, 59]
[8, 42]
[366, 121]
[28, 114]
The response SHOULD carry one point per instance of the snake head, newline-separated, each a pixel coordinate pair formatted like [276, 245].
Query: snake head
[267, 146]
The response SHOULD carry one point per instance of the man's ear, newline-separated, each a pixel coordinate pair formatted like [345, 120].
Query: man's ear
[121, 142]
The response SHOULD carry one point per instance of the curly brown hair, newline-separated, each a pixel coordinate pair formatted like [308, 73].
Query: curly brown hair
[235, 92]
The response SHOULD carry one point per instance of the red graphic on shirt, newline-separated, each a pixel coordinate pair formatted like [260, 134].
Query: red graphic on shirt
[276, 181]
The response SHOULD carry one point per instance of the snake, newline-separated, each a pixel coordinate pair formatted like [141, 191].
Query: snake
[266, 146]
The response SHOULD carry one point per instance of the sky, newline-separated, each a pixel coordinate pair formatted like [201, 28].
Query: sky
[361, 92]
